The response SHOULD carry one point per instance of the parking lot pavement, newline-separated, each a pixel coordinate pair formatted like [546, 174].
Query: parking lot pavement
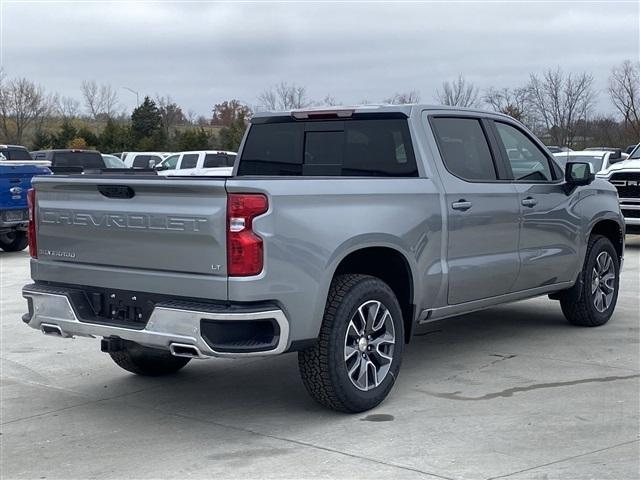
[512, 392]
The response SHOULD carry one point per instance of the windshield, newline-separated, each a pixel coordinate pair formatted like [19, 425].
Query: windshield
[636, 152]
[113, 162]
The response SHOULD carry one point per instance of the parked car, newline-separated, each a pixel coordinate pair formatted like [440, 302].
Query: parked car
[142, 159]
[618, 151]
[555, 149]
[16, 171]
[339, 234]
[600, 160]
[71, 158]
[198, 163]
[625, 176]
[111, 161]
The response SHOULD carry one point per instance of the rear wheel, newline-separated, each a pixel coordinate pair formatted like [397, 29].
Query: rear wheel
[13, 241]
[591, 302]
[141, 360]
[357, 358]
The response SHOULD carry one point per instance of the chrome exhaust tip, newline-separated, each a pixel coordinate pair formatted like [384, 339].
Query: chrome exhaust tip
[185, 350]
[51, 329]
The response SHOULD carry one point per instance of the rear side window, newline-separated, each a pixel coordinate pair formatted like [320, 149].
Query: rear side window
[464, 148]
[189, 160]
[213, 160]
[141, 161]
[355, 148]
[78, 159]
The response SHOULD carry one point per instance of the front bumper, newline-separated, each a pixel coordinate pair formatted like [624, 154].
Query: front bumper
[177, 329]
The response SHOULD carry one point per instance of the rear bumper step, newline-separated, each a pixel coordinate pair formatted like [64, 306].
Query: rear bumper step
[183, 331]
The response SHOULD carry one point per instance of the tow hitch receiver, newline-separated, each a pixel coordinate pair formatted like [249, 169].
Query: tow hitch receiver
[111, 344]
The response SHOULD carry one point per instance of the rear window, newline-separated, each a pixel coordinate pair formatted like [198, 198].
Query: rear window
[15, 154]
[352, 148]
[78, 159]
[213, 160]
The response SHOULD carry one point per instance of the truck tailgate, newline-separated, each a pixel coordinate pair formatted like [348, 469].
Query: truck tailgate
[154, 223]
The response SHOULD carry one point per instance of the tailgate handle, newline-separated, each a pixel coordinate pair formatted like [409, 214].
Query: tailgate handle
[116, 191]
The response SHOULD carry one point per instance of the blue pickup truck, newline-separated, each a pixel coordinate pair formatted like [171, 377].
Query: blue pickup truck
[16, 169]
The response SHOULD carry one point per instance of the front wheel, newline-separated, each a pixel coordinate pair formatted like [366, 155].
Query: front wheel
[591, 302]
[357, 358]
[14, 241]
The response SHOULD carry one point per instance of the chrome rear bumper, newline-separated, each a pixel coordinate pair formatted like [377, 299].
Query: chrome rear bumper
[173, 329]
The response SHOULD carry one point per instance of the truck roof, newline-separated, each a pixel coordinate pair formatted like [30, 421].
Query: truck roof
[347, 111]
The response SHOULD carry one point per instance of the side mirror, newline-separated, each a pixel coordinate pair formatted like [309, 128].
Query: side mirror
[579, 173]
[160, 168]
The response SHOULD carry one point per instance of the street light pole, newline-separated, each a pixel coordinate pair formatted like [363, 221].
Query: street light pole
[136, 94]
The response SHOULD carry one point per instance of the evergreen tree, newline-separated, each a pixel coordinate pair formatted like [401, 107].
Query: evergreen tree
[67, 133]
[146, 124]
[114, 138]
[90, 138]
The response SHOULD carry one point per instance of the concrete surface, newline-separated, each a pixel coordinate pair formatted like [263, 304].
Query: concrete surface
[512, 392]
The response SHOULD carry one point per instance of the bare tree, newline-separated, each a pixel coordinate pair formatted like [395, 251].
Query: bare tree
[67, 107]
[284, 96]
[403, 98]
[329, 100]
[226, 113]
[459, 93]
[510, 101]
[170, 114]
[624, 90]
[561, 100]
[22, 103]
[100, 100]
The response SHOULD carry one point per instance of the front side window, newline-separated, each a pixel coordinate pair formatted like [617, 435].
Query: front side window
[528, 163]
[171, 162]
[464, 148]
[189, 160]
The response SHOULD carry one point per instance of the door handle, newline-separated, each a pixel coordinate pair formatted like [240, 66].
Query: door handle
[529, 202]
[462, 205]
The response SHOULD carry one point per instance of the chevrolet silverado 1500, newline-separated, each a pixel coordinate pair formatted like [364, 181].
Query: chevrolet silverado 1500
[340, 232]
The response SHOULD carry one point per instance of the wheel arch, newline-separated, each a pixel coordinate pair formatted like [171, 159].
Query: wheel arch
[389, 264]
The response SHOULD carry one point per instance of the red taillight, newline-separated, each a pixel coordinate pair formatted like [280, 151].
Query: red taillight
[244, 247]
[31, 230]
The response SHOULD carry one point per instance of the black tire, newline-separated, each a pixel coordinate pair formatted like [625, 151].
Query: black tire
[578, 303]
[14, 241]
[147, 361]
[323, 367]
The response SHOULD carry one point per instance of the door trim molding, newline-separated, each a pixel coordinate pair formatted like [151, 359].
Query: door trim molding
[429, 315]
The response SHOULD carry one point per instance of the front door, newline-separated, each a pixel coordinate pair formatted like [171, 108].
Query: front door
[482, 210]
[549, 223]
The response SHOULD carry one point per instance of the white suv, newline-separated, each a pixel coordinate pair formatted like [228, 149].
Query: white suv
[142, 159]
[203, 162]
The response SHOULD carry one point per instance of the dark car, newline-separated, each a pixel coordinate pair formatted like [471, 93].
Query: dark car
[85, 159]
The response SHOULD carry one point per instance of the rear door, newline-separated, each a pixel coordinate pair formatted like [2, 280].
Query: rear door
[549, 230]
[482, 210]
[154, 225]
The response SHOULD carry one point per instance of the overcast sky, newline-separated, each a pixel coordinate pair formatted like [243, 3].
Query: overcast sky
[201, 53]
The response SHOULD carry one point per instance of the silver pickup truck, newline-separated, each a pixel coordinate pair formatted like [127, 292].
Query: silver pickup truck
[340, 232]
